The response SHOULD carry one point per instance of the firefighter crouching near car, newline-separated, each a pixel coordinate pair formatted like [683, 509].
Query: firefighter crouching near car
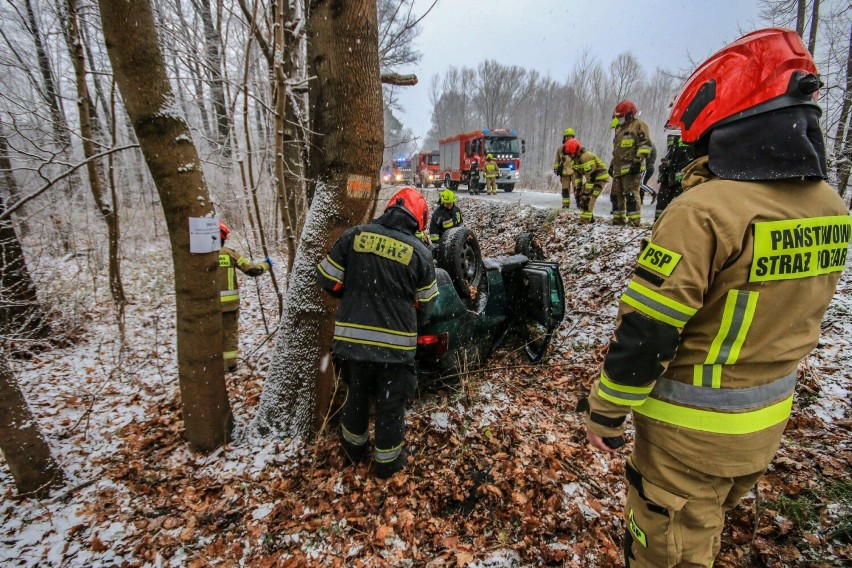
[631, 147]
[678, 156]
[385, 279]
[491, 171]
[229, 295]
[562, 170]
[726, 300]
[446, 216]
[590, 177]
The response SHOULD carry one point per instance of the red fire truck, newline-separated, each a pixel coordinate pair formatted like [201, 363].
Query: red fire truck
[398, 172]
[427, 171]
[457, 152]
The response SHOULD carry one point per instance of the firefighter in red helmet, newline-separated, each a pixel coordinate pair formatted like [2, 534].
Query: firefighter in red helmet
[726, 300]
[590, 177]
[229, 294]
[631, 148]
[385, 279]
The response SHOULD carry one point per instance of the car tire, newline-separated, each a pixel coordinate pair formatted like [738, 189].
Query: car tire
[460, 256]
[527, 245]
[507, 187]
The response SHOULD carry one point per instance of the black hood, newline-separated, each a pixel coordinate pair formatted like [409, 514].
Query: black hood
[398, 218]
[780, 144]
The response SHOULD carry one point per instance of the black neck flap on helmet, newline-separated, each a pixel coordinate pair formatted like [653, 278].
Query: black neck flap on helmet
[784, 143]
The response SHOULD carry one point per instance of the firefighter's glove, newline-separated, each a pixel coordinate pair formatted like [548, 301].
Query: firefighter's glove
[268, 261]
[634, 168]
[610, 170]
[556, 171]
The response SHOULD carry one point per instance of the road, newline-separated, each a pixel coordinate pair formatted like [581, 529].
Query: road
[542, 200]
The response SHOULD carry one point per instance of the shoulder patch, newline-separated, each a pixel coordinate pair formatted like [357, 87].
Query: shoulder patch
[659, 259]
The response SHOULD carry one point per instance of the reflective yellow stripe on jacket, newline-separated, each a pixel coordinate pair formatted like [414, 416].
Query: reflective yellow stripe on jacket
[378, 336]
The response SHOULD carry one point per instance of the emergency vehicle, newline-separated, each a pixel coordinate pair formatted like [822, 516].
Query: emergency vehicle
[428, 167]
[457, 152]
[398, 172]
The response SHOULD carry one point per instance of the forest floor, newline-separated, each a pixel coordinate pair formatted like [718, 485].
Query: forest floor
[499, 471]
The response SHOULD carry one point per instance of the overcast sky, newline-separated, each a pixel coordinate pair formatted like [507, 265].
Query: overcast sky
[549, 35]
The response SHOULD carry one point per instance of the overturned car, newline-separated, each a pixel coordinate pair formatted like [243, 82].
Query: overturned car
[484, 301]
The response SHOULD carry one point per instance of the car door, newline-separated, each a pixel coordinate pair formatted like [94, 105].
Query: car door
[540, 306]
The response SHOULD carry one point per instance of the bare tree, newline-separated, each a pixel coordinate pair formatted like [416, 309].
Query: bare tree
[140, 73]
[346, 150]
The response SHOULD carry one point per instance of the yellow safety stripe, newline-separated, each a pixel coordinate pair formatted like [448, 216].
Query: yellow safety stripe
[231, 278]
[638, 534]
[428, 292]
[230, 354]
[725, 350]
[447, 224]
[355, 439]
[378, 336]
[716, 422]
[622, 394]
[643, 151]
[656, 305]
[627, 142]
[386, 456]
[331, 270]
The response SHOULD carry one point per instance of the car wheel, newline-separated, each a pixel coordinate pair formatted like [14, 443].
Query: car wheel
[527, 245]
[460, 256]
[507, 187]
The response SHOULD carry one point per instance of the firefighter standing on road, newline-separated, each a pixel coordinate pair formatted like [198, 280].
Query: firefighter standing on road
[385, 278]
[726, 300]
[229, 294]
[590, 177]
[630, 150]
[446, 216]
[491, 171]
[678, 156]
[562, 170]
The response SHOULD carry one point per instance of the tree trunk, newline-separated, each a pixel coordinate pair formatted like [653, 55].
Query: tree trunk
[140, 73]
[812, 37]
[9, 181]
[109, 211]
[213, 62]
[26, 451]
[801, 6]
[346, 117]
[843, 151]
[51, 95]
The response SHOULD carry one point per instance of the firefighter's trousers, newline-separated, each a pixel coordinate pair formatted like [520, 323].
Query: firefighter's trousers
[390, 385]
[566, 191]
[230, 338]
[626, 202]
[674, 514]
[586, 199]
[490, 185]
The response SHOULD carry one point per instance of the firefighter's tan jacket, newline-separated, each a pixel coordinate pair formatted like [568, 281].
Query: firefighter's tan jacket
[725, 301]
[229, 287]
[590, 173]
[632, 143]
[564, 160]
[491, 169]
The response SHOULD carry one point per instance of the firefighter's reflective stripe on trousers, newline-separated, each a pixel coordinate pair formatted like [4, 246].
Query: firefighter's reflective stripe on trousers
[656, 305]
[427, 292]
[331, 269]
[380, 337]
[230, 355]
[354, 439]
[622, 394]
[229, 295]
[387, 456]
[725, 349]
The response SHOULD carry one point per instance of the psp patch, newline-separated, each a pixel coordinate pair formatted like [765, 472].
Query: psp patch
[659, 259]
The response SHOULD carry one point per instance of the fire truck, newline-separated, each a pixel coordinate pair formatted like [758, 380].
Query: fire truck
[398, 172]
[428, 166]
[457, 152]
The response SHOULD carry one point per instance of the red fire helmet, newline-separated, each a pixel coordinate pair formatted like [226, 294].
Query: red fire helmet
[624, 108]
[572, 146]
[762, 71]
[410, 199]
[224, 231]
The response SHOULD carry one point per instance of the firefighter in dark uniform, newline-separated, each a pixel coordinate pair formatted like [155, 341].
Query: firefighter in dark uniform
[229, 295]
[678, 155]
[726, 299]
[446, 216]
[385, 279]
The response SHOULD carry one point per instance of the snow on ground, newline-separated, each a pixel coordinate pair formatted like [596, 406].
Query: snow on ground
[100, 403]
